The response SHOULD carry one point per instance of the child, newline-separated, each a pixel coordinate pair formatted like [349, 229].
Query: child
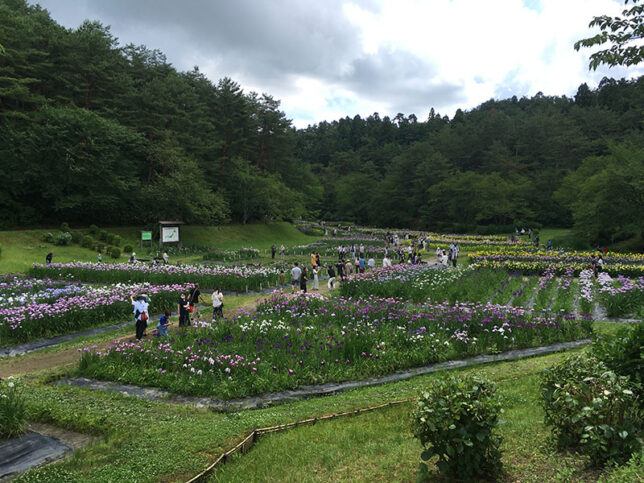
[164, 323]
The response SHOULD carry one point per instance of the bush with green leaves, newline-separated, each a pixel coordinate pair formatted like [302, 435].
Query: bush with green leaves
[624, 354]
[103, 235]
[116, 240]
[455, 420]
[65, 227]
[12, 409]
[87, 242]
[592, 408]
[63, 239]
[93, 230]
[48, 237]
[77, 236]
[115, 252]
[128, 249]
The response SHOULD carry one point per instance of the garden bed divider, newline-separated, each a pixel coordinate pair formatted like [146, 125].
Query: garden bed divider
[247, 443]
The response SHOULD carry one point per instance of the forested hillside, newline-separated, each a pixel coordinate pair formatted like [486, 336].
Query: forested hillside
[97, 131]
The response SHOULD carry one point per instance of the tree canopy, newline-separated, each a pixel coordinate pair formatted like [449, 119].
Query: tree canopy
[624, 35]
[95, 132]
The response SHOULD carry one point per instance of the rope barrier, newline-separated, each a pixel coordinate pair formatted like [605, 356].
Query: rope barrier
[251, 438]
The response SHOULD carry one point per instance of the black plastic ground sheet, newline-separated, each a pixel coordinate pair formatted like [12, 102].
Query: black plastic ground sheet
[29, 450]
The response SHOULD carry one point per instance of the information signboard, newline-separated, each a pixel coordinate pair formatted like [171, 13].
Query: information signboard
[170, 234]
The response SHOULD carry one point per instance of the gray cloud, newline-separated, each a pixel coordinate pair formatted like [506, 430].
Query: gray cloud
[401, 80]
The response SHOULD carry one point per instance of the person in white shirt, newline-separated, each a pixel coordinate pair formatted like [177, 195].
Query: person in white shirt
[444, 259]
[371, 263]
[217, 304]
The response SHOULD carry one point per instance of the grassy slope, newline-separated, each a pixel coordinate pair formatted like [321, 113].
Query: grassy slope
[23, 247]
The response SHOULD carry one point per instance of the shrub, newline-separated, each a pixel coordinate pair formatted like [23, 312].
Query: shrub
[65, 227]
[128, 249]
[116, 240]
[115, 252]
[88, 241]
[110, 238]
[63, 239]
[102, 235]
[623, 353]
[93, 229]
[48, 237]
[12, 409]
[100, 247]
[455, 420]
[77, 236]
[592, 408]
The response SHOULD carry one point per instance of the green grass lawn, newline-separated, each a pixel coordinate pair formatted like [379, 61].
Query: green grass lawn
[151, 441]
[22, 248]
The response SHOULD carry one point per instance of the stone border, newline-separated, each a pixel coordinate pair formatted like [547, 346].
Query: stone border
[272, 398]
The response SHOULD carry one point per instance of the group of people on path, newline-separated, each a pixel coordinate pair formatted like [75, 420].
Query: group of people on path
[187, 305]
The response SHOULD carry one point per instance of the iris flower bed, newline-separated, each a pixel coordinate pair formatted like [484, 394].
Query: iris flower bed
[295, 340]
[69, 313]
[621, 296]
[537, 267]
[231, 255]
[420, 282]
[236, 279]
[533, 262]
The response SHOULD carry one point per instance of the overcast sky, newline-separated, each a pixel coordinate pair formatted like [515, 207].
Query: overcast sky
[327, 59]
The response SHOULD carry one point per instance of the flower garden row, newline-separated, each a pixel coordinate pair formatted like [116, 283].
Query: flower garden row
[69, 312]
[237, 279]
[523, 255]
[296, 340]
[564, 294]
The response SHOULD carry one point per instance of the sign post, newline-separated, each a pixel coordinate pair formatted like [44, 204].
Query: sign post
[146, 236]
[169, 232]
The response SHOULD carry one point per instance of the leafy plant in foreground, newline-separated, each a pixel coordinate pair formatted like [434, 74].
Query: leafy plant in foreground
[455, 421]
[592, 408]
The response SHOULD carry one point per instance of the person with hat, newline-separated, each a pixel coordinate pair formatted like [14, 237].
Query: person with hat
[141, 315]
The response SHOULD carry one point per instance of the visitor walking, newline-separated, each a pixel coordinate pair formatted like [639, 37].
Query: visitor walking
[141, 316]
[217, 304]
[303, 279]
[49, 258]
[165, 258]
[455, 255]
[193, 301]
[282, 250]
[316, 281]
[296, 275]
[100, 257]
[183, 310]
[273, 250]
[133, 257]
[371, 263]
[340, 268]
[331, 282]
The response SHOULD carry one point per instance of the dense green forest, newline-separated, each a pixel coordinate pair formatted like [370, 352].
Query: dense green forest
[92, 131]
